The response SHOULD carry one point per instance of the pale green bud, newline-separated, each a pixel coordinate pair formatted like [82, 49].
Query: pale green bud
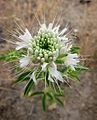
[42, 59]
[50, 58]
[41, 55]
[50, 53]
[36, 52]
[54, 52]
[46, 56]
[38, 58]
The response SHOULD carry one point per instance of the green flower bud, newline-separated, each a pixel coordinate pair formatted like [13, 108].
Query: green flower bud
[36, 52]
[42, 59]
[54, 52]
[38, 58]
[50, 53]
[41, 55]
[50, 58]
[46, 56]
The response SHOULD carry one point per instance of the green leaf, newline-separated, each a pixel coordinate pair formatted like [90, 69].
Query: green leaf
[59, 61]
[22, 77]
[18, 68]
[21, 80]
[2, 57]
[12, 55]
[28, 87]
[80, 68]
[63, 69]
[59, 101]
[50, 95]
[59, 94]
[46, 77]
[37, 93]
[73, 74]
[44, 102]
[75, 49]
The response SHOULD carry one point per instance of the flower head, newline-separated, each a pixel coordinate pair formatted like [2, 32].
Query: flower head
[49, 56]
[45, 48]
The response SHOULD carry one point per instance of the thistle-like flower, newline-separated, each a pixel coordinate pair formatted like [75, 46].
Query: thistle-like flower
[49, 56]
[45, 48]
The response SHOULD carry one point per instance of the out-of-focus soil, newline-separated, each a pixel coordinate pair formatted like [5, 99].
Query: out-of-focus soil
[81, 100]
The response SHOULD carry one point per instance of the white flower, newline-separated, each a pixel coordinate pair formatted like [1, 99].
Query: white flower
[72, 60]
[54, 74]
[25, 40]
[49, 44]
[33, 77]
[24, 61]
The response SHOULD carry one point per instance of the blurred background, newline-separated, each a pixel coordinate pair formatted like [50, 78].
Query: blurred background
[80, 101]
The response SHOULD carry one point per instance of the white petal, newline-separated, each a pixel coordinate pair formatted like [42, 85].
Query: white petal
[44, 66]
[72, 67]
[72, 60]
[50, 26]
[56, 29]
[55, 73]
[50, 79]
[43, 27]
[26, 40]
[24, 61]
[33, 77]
[63, 31]
[53, 65]
[66, 48]
[20, 45]
[26, 37]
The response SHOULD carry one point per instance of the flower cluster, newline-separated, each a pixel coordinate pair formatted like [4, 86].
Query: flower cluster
[46, 48]
[49, 56]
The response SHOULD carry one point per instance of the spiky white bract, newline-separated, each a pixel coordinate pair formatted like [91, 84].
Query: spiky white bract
[45, 48]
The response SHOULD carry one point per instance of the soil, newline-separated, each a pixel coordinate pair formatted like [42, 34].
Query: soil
[81, 100]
